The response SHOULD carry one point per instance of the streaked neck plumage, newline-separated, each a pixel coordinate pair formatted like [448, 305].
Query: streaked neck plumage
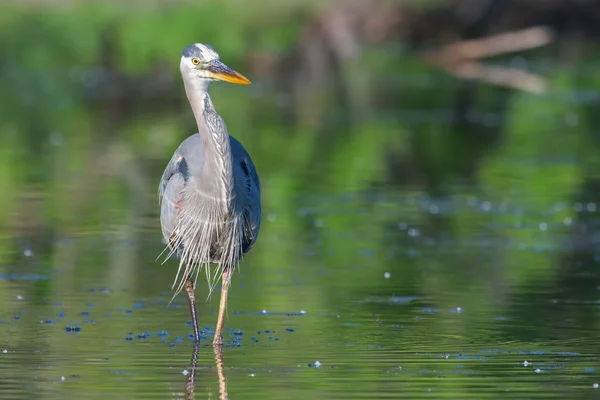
[215, 138]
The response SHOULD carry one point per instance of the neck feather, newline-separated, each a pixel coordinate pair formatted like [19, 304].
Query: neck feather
[215, 138]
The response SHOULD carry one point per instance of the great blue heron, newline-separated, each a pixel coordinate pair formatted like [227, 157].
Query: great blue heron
[210, 191]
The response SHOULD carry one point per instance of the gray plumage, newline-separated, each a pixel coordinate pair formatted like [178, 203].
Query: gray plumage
[210, 192]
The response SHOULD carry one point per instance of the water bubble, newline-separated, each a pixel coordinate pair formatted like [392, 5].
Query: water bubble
[4, 351]
[19, 297]
[317, 364]
[73, 327]
[185, 372]
[595, 385]
[538, 371]
[543, 226]
[413, 232]
[387, 275]
[62, 378]
[568, 221]
[302, 312]
[526, 363]
[271, 217]
[27, 253]
[251, 375]
[486, 206]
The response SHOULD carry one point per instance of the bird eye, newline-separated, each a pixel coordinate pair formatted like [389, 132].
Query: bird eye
[195, 61]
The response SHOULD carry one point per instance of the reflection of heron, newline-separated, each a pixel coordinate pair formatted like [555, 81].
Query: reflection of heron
[190, 385]
[210, 192]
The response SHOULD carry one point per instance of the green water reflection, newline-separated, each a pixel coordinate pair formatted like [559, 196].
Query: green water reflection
[412, 245]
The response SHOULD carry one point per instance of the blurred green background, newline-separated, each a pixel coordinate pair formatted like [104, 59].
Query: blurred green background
[371, 158]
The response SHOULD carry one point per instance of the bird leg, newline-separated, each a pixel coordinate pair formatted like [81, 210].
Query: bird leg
[225, 281]
[189, 288]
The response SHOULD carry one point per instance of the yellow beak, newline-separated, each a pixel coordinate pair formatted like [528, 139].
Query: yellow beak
[222, 72]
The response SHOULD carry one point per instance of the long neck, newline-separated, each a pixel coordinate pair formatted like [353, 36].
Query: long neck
[218, 160]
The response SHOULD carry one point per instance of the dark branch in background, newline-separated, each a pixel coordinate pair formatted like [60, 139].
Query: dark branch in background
[462, 59]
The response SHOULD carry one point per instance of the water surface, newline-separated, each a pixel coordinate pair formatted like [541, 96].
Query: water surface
[340, 315]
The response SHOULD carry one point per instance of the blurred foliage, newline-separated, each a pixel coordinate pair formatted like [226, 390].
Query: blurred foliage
[343, 186]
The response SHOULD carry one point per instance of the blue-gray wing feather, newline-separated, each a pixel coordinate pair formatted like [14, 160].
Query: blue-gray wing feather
[249, 190]
[172, 184]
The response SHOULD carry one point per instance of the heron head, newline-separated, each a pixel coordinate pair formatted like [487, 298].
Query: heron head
[201, 61]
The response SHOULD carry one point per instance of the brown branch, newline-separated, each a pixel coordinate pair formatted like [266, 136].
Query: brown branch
[461, 58]
[500, 76]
